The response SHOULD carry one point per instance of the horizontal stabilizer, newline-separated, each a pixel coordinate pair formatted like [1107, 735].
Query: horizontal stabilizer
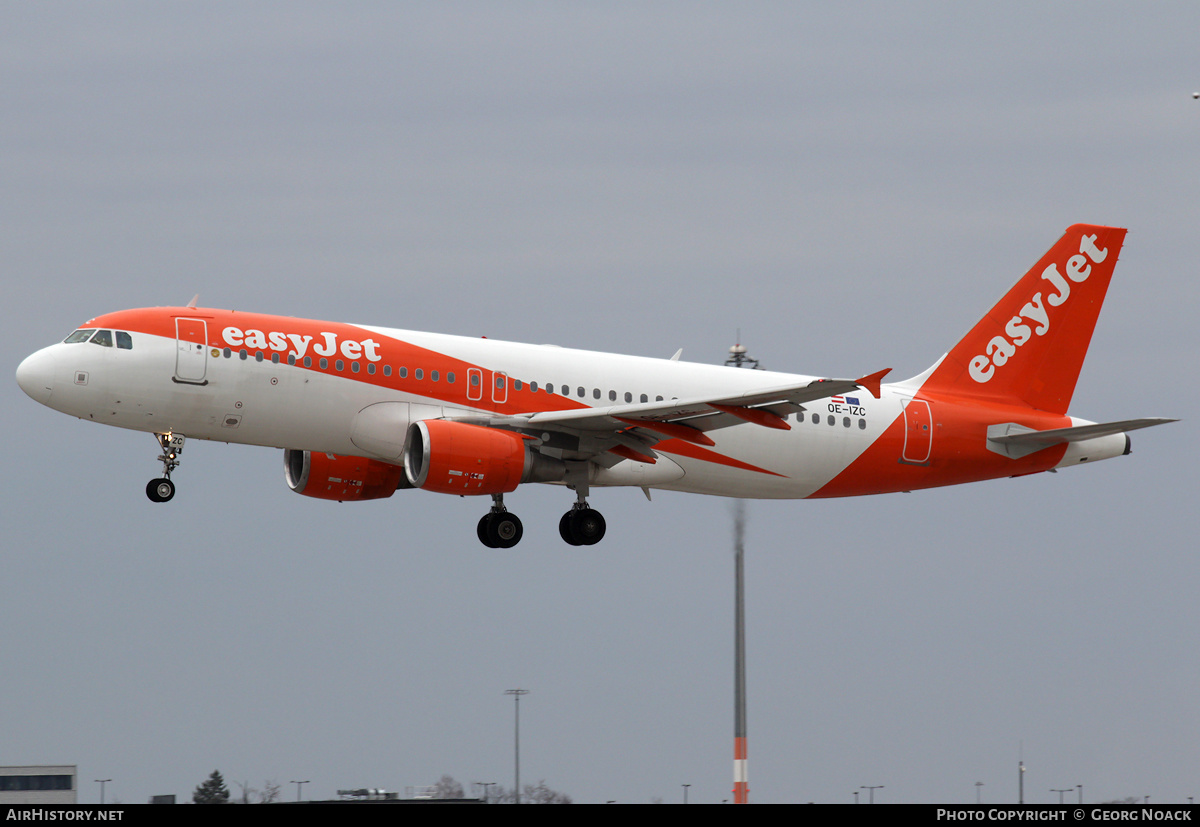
[1017, 441]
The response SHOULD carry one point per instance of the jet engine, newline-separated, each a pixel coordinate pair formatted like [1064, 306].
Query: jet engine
[332, 477]
[458, 458]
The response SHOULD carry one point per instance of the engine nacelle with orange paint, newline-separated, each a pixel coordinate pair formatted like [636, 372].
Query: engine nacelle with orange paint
[458, 458]
[332, 477]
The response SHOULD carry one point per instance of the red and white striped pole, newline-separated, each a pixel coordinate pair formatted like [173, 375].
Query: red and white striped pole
[741, 780]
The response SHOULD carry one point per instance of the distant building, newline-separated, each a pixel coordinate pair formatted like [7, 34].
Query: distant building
[51, 784]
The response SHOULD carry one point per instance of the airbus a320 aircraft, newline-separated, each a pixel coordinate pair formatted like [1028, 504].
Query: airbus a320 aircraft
[363, 411]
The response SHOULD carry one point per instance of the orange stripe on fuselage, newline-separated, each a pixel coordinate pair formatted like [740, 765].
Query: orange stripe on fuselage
[160, 321]
[958, 450]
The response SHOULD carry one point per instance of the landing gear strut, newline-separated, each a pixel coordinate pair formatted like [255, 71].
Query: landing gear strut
[499, 528]
[162, 489]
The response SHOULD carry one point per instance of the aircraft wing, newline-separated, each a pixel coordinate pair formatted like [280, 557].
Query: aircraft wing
[630, 431]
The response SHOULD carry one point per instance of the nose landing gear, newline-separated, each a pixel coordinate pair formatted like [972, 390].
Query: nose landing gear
[162, 489]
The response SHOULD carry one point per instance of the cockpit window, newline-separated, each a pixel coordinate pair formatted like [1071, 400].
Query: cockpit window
[124, 340]
[79, 336]
[103, 338]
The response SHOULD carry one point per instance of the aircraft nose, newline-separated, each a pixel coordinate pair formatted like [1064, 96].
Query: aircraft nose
[35, 375]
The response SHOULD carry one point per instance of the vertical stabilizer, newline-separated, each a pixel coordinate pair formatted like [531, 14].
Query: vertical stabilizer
[1029, 348]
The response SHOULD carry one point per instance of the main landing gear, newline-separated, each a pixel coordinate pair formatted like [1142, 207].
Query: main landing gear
[582, 525]
[499, 528]
[162, 489]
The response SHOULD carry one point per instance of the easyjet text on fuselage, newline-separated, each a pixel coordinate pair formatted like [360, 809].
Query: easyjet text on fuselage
[296, 343]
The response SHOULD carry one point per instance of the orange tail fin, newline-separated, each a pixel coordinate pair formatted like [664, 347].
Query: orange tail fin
[1029, 348]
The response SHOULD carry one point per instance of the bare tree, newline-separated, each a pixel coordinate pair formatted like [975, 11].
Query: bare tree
[447, 787]
[269, 794]
[537, 793]
[248, 792]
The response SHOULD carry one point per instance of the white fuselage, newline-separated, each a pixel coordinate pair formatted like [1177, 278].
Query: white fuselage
[257, 401]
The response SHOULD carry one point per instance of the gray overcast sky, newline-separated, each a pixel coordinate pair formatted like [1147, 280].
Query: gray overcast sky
[851, 185]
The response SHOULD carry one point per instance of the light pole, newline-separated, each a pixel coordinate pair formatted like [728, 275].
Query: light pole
[978, 791]
[741, 772]
[102, 782]
[872, 789]
[299, 786]
[517, 693]
[685, 792]
[1060, 793]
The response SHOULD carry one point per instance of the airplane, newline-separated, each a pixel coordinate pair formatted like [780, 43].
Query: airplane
[363, 411]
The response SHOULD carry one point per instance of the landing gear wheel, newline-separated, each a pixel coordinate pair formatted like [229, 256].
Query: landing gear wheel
[585, 525]
[504, 530]
[481, 530]
[564, 529]
[160, 490]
